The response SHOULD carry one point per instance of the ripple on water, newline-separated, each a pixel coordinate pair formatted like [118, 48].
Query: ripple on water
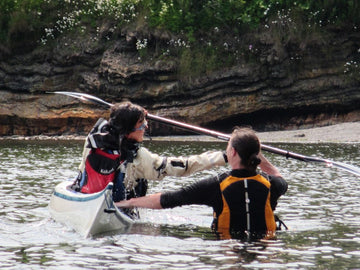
[321, 209]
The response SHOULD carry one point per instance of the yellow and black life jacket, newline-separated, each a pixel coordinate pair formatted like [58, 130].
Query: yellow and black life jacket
[246, 207]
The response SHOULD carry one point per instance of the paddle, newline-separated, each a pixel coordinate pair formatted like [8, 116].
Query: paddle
[219, 135]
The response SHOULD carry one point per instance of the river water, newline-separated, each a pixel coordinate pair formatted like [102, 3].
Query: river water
[321, 209]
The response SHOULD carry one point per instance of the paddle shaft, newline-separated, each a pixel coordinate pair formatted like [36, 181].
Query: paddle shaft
[219, 135]
[222, 136]
[226, 137]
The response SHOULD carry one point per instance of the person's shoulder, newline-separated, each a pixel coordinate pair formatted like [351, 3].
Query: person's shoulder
[143, 150]
[271, 177]
[222, 176]
[144, 154]
[277, 182]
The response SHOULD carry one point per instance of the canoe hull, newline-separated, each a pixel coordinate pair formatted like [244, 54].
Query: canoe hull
[88, 214]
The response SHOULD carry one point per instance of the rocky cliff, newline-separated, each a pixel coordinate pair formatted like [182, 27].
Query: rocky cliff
[286, 84]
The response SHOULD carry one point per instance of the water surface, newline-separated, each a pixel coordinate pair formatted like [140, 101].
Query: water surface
[321, 209]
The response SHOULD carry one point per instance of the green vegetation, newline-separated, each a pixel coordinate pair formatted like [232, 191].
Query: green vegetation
[203, 27]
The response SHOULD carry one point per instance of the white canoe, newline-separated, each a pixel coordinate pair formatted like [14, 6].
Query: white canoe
[88, 214]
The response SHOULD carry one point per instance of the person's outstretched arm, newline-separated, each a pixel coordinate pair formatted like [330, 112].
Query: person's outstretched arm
[151, 201]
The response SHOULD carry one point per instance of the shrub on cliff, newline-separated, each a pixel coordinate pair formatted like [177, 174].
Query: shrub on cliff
[209, 32]
[188, 17]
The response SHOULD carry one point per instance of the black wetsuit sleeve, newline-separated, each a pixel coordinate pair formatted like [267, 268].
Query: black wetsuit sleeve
[205, 192]
[278, 187]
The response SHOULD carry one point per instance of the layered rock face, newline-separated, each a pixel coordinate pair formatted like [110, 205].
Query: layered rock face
[286, 85]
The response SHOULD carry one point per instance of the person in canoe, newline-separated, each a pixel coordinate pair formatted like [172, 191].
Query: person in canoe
[243, 200]
[113, 152]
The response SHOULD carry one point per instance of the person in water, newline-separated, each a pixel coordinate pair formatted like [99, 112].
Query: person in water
[113, 153]
[242, 199]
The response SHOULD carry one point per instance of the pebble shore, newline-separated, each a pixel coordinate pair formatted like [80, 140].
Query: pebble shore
[340, 133]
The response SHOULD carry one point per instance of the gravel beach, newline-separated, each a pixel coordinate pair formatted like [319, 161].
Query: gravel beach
[340, 133]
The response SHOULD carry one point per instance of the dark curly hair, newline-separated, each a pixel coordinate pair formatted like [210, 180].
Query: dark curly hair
[124, 116]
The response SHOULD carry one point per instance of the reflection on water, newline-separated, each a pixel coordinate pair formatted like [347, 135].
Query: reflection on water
[321, 209]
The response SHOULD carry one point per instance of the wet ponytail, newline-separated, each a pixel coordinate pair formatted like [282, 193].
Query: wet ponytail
[247, 145]
[253, 162]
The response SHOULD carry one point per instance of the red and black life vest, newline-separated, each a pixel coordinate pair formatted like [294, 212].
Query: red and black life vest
[100, 170]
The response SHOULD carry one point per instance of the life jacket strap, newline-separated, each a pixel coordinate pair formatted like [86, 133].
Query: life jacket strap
[247, 202]
[279, 223]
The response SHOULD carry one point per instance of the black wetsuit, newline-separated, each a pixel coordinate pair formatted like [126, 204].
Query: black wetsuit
[232, 197]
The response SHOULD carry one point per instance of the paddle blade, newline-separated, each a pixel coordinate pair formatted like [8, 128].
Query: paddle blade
[347, 167]
[85, 97]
